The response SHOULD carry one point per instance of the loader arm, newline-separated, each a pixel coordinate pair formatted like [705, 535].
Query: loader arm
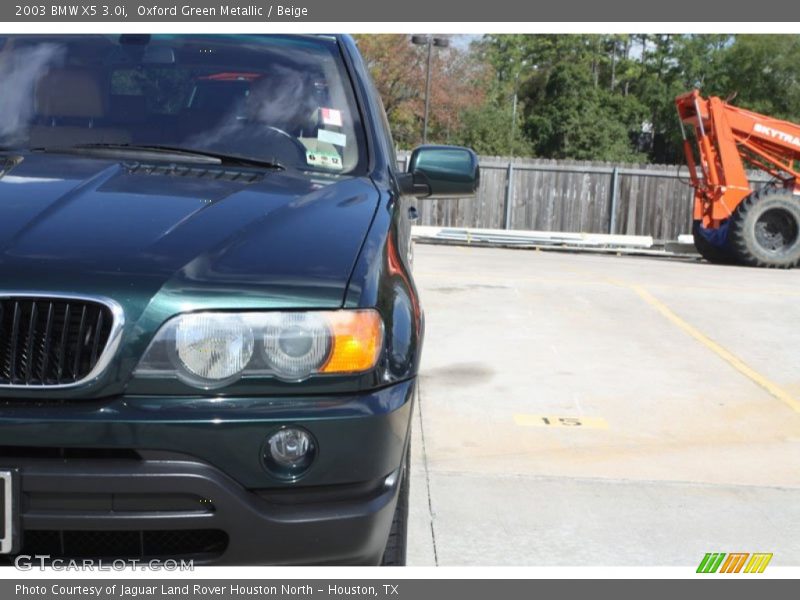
[728, 138]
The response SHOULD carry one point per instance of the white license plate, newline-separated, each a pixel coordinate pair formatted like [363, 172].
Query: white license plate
[8, 511]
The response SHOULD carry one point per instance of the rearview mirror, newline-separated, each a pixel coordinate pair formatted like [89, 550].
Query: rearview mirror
[442, 172]
[159, 55]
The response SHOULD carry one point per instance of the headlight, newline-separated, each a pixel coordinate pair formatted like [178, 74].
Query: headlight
[213, 349]
[296, 345]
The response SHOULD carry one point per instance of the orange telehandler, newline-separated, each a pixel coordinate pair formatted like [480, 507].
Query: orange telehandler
[732, 222]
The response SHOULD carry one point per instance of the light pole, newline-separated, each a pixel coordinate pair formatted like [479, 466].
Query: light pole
[514, 106]
[430, 42]
[514, 114]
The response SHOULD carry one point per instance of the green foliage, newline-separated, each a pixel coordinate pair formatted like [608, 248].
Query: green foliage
[764, 72]
[460, 82]
[488, 130]
[572, 118]
[592, 97]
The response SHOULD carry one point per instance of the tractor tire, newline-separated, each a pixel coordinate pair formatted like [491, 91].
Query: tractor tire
[717, 251]
[394, 555]
[765, 229]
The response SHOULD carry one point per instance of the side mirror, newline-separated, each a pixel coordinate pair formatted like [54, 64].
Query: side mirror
[442, 172]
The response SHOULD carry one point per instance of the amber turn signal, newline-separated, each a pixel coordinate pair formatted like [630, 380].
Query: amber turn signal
[357, 337]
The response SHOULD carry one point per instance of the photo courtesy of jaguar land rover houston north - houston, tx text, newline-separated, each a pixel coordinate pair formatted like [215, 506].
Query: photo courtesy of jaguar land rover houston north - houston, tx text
[209, 331]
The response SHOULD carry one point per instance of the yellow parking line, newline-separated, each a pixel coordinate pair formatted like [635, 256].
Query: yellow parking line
[773, 388]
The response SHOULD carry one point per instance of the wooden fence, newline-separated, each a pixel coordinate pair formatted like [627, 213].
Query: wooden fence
[573, 196]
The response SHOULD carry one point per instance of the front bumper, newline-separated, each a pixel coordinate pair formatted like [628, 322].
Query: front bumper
[158, 477]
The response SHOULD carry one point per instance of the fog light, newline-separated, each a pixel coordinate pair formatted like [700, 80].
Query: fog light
[289, 452]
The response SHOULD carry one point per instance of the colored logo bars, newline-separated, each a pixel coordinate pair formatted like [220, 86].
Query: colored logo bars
[735, 562]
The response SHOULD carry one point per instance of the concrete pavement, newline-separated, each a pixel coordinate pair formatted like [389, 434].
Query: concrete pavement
[578, 409]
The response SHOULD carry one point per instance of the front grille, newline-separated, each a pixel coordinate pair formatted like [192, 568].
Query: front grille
[51, 341]
[171, 543]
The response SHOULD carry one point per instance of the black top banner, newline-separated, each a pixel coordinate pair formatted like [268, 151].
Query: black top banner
[449, 11]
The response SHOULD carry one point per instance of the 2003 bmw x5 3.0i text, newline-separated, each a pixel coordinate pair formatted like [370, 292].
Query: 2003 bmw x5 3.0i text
[209, 332]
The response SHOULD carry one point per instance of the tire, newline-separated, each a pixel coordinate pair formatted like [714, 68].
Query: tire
[765, 229]
[394, 555]
[713, 244]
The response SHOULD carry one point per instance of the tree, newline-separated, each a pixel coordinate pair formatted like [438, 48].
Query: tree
[574, 118]
[395, 66]
[573, 93]
[459, 85]
[487, 130]
[588, 96]
[764, 73]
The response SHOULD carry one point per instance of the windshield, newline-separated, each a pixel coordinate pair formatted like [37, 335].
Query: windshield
[267, 98]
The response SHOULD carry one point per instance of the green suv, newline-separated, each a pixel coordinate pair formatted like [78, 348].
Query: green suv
[209, 331]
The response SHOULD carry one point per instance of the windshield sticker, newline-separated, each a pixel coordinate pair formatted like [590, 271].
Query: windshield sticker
[327, 160]
[332, 117]
[332, 137]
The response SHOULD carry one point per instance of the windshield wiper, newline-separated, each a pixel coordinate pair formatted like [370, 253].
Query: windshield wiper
[178, 152]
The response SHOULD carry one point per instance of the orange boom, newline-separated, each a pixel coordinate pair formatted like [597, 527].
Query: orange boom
[733, 223]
